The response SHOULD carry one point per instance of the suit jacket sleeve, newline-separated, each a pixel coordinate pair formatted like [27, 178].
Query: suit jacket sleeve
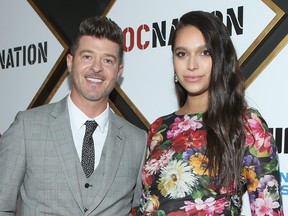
[12, 165]
[138, 189]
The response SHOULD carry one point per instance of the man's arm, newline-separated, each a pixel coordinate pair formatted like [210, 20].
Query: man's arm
[12, 166]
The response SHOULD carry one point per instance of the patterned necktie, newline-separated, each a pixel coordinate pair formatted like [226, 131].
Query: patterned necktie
[88, 155]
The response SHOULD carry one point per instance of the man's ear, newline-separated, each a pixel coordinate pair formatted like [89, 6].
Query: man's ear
[69, 60]
[120, 71]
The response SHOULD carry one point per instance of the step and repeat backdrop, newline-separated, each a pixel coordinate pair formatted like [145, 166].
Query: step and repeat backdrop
[33, 50]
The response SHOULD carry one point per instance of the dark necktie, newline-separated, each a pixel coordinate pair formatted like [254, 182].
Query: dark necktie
[88, 155]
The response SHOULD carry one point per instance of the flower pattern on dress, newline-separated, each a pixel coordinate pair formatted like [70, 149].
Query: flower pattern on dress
[176, 179]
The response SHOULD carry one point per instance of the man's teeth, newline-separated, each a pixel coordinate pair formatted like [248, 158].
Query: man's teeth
[95, 80]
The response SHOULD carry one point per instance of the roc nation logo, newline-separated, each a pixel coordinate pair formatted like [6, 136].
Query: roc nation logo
[281, 138]
[159, 34]
[23, 55]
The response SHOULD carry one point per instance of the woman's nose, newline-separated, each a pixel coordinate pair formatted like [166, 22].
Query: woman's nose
[193, 63]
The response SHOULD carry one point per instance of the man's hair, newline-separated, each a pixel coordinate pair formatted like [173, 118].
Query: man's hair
[99, 27]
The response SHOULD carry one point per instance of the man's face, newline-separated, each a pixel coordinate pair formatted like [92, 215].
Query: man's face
[95, 68]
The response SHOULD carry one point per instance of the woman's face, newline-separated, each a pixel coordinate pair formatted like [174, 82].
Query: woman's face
[192, 61]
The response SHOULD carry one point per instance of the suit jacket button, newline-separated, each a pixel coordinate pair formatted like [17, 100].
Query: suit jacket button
[86, 185]
[85, 209]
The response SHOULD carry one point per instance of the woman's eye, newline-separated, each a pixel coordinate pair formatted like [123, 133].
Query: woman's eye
[180, 54]
[205, 53]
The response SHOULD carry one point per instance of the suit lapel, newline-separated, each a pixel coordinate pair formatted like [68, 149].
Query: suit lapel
[115, 142]
[64, 144]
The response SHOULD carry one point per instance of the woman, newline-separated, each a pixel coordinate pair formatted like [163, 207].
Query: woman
[203, 157]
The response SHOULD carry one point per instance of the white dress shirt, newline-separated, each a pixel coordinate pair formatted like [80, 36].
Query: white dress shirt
[77, 120]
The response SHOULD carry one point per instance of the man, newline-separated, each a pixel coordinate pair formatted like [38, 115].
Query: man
[42, 156]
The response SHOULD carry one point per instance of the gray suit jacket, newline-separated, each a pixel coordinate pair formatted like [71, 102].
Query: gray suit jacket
[37, 160]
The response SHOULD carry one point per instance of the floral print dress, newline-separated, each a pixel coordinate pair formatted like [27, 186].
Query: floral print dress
[176, 181]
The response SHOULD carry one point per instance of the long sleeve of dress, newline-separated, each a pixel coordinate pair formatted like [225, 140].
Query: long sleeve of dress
[261, 168]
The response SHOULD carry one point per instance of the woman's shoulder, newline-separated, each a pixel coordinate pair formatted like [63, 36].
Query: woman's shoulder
[251, 110]
[256, 125]
[159, 120]
[252, 113]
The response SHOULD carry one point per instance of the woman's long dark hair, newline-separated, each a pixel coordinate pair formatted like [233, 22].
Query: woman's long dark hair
[224, 118]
